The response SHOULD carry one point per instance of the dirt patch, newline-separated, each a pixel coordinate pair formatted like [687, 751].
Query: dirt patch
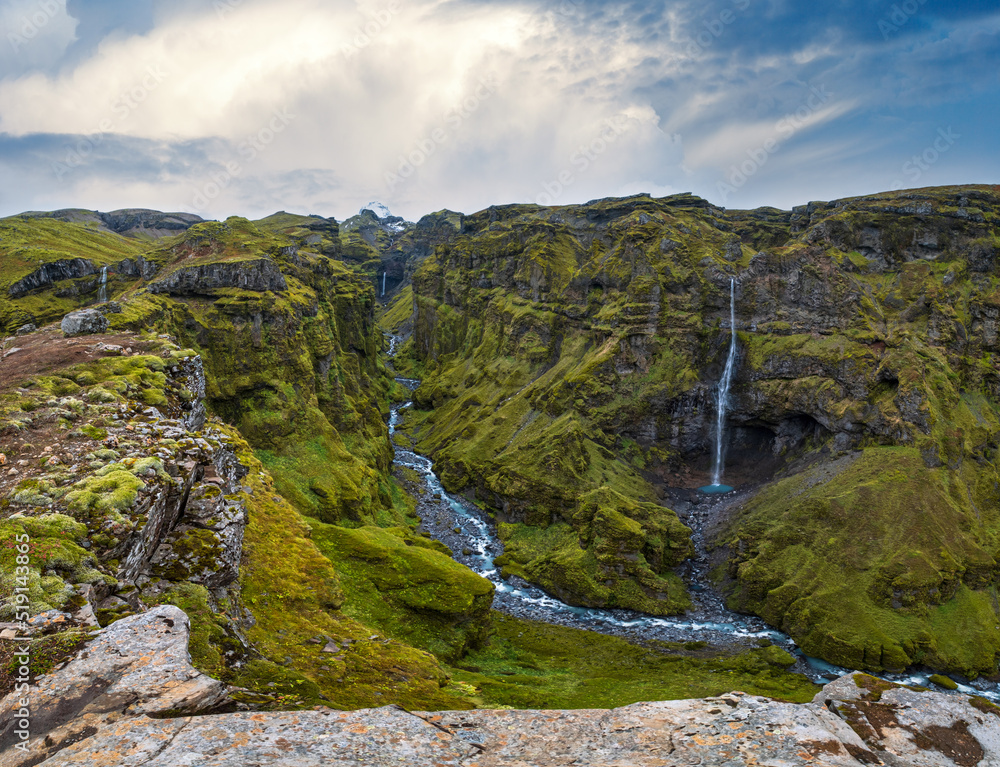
[48, 351]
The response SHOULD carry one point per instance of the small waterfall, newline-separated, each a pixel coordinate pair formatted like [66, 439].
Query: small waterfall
[383, 283]
[722, 401]
[102, 288]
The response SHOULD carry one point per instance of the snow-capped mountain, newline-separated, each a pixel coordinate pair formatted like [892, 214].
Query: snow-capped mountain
[389, 222]
[378, 208]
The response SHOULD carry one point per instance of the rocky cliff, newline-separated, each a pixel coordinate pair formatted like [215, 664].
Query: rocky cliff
[569, 357]
[118, 492]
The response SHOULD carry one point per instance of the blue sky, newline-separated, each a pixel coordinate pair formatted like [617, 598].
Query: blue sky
[223, 107]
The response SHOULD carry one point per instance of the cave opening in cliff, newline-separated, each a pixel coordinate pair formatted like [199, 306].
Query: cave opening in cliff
[757, 450]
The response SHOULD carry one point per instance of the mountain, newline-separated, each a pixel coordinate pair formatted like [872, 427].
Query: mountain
[215, 437]
[569, 357]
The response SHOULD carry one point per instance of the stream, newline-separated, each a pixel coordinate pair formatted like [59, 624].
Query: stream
[471, 535]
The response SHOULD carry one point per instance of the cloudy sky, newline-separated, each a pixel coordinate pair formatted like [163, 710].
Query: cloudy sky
[223, 107]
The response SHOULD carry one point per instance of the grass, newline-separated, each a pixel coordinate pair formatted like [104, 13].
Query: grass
[537, 665]
[910, 580]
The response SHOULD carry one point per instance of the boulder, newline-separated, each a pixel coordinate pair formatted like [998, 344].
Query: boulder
[84, 323]
[136, 667]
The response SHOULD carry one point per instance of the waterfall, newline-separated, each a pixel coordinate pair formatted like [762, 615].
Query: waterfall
[102, 289]
[722, 400]
[383, 282]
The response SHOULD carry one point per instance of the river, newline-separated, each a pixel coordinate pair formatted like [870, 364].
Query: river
[471, 535]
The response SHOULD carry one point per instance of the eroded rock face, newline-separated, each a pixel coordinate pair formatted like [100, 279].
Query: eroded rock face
[136, 666]
[149, 223]
[137, 267]
[48, 274]
[84, 323]
[255, 274]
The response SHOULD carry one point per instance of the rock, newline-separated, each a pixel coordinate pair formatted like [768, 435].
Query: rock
[846, 726]
[9, 352]
[84, 322]
[943, 681]
[25, 329]
[331, 647]
[258, 275]
[148, 223]
[48, 274]
[51, 620]
[207, 544]
[136, 667]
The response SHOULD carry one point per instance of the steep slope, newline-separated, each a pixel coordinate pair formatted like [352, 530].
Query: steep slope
[291, 359]
[569, 356]
[121, 496]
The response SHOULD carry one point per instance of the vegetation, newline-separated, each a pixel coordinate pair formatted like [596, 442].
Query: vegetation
[568, 357]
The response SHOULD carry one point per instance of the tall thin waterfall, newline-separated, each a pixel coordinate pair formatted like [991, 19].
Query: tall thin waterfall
[722, 398]
[102, 288]
[383, 282]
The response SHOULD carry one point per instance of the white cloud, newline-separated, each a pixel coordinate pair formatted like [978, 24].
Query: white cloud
[241, 106]
[508, 100]
[33, 34]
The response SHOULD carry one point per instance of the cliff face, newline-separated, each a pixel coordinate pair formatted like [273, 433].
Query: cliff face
[569, 357]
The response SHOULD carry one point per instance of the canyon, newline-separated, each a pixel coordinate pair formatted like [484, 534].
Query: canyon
[455, 464]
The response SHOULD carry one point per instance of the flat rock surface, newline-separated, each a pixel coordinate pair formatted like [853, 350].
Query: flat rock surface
[138, 665]
[122, 701]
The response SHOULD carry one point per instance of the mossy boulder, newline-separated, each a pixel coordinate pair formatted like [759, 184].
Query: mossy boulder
[409, 587]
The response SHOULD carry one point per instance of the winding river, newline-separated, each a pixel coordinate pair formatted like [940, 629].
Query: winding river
[471, 535]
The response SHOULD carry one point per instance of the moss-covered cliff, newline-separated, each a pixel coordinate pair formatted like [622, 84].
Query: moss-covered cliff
[569, 356]
[289, 351]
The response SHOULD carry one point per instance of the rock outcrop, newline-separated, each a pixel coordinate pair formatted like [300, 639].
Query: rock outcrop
[48, 274]
[137, 666]
[127, 700]
[257, 275]
[140, 222]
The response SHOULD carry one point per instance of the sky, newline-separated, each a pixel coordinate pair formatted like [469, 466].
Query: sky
[247, 107]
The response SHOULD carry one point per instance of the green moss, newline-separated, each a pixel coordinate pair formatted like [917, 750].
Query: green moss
[114, 490]
[616, 553]
[295, 595]
[408, 587]
[942, 681]
[52, 544]
[537, 665]
[911, 582]
[93, 432]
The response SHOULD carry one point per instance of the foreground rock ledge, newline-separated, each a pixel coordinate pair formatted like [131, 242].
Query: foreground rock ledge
[98, 710]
